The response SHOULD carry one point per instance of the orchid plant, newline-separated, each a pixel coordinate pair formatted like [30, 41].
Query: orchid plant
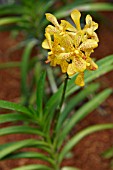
[50, 120]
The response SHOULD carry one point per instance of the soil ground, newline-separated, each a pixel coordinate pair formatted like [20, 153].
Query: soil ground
[87, 154]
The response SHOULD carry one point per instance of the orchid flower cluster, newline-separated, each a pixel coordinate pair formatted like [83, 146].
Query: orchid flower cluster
[71, 47]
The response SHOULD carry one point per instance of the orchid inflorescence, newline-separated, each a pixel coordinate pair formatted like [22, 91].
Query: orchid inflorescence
[71, 47]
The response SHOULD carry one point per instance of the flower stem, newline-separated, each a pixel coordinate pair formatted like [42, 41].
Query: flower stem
[60, 106]
[64, 91]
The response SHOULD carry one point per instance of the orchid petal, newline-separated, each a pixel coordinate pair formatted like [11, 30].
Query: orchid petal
[67, 26]
[45, 44]
[70, 70]
[88, 44]
[75, 15]
[79, 64]
[52, 19]
[80, 79]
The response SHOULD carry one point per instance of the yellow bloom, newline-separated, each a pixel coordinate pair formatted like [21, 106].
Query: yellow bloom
[70, 47]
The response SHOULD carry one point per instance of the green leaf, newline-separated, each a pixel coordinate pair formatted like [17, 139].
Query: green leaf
[40, 93]
[20, 129]
[9, 148]
[96, 7]
[30, 155]
[80, 135]
[105, 61]
[83, 112]
[69, 168]
[50, 108]
[65, 11]
[74, 101]
[12, 27]
[108, 153]
[14, 106]
[33, 167]
[51, 79]
[52, 102]
[10, 20]
[13, 117]
[25, 66]
[12, 9]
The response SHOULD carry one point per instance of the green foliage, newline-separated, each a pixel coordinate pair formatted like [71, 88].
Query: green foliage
[24, 70]
[40, 121]
[28, 17]
[33, 167]
[87, 6]
[108, 153]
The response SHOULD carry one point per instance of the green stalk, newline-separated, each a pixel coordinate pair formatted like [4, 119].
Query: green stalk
[63, 94]
[60, 105]
[54, 153]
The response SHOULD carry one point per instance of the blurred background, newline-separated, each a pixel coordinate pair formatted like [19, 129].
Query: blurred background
[22, 26]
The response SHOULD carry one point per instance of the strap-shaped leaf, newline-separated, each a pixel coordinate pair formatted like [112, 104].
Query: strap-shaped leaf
[80, 135]
[69, 168]
[108, 153]
[13, 117]
[105, 61]
[53, 102]
[14, 106]
[13, 27]
[50, 108]
[12, 9]
[9, 148]
[40, 93]
[83, 7]
[83, 112]
[25, 66]
[74, 101]
[10, 20]
[30, 155]
[33, 167]
[20, 129]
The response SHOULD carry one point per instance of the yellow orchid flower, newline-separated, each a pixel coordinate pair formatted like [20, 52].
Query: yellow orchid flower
[70, 47]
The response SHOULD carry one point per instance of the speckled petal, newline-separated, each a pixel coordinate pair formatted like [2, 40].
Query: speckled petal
[64, 66]
[66, 42]
[49, 41]
[90, 23]
[52, 19]
[75, 15]
[79, 65]
[93, 66]
[78, 38]
[94, 25]
[45, 44]
[65, 56]
[88, 20]
[51, 30]
[52, 60]
[67, 26]
[88, 44]
[80, 79]
[70, 70]
[95, 37]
